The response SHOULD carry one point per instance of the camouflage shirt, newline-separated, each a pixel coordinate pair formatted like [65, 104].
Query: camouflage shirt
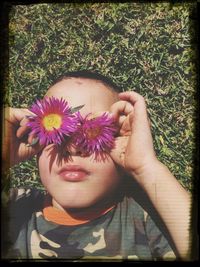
[125, 232]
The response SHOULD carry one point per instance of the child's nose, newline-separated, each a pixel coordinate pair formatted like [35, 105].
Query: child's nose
[72, 150]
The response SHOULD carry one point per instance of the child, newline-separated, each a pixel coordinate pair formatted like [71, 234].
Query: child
[96, 208]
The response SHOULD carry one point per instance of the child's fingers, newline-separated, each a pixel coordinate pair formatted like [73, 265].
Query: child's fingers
[16, 115]
[118, 153]
[137, 101]
[26, 152]
[125, 126]
[121, 120]
[140, 126]
[24, 121]
[131, 96]
[31, 138]
[141, 120]
[121, 111]
[121, 108]
[22, 130]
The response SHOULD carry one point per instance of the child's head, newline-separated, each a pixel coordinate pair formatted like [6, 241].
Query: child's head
[81, 181]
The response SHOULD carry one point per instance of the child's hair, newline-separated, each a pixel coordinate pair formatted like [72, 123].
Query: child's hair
[93, 75]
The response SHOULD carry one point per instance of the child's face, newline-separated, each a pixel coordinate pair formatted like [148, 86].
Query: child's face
[79, 182]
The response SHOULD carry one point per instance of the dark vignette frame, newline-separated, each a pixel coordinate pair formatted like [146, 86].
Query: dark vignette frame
[4, 70]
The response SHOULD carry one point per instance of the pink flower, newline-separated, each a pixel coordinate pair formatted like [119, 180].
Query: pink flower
[53, 119]
[95, 135]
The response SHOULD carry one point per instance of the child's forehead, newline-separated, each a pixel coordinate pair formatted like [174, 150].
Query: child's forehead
[78, 91]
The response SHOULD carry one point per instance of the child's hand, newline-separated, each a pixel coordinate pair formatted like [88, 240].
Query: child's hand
[134, 146]
[15, 137]
[134, 151]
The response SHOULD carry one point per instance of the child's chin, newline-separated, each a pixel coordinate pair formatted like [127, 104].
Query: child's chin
[70, 200]
[76, 205]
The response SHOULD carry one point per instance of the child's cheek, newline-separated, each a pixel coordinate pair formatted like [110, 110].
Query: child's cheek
[43, 162]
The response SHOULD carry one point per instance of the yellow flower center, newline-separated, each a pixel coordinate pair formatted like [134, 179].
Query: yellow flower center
[52, 121]
[92, 133]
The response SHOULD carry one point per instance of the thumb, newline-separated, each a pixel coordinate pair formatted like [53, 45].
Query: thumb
[118, 152]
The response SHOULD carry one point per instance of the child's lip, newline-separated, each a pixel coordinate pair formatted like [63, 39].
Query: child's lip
[73, 173]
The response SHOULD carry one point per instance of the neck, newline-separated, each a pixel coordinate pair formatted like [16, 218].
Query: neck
[88, 213]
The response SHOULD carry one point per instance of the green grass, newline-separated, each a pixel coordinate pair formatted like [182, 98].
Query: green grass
[147, 47]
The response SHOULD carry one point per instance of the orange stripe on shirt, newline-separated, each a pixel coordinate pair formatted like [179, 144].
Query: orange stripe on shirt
[63, 218]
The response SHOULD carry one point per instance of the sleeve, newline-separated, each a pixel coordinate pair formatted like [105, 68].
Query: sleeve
[21, 205]
[159, 245]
